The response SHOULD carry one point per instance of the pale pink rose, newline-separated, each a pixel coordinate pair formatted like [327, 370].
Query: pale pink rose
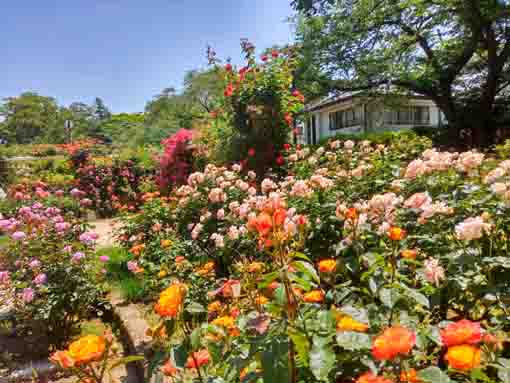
[236, 168]
[252, 191]
[293, 158]
[217, 195]
[349, 145]
[300, 189]
[415, 169]
[358, 171]
[220, 214]
[471, 228]
[434, 273]
[233, 233]
[468, 161]
[252, 175]
[429, 210]
[418, 200]
[267, 185]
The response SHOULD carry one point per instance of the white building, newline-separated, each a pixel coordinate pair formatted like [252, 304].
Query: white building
[357, 113]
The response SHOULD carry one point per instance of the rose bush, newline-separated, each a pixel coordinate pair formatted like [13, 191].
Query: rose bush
[367, 263]
[48, 266]
[255, 119]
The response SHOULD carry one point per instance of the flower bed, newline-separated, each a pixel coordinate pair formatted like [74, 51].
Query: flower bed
[368, 263]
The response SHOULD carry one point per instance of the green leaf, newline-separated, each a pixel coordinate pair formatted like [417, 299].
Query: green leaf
[302, 346]
[307, 269]
[504, 370]
[275, 361]
[322, 358]
[417, 296]
[353, 341]
[434, 375]
[478, 375]
[195, 308]
[268, 279]
[389, 297]
[195, 338]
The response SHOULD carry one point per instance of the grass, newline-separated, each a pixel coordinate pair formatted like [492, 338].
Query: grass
[119, 276]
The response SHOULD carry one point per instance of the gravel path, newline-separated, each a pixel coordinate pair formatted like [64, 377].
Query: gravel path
[105, 229]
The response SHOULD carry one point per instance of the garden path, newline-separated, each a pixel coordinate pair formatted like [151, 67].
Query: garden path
[105, 229]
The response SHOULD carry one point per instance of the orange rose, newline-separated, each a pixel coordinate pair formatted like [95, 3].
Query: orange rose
[166, 243]
[170, 301]
[397, 234]
[198, 359]
[214, 307]
[314, 296]
[410, 376]
[169, 369]
[263, 224]
[279, 216]
[392, 342]
[261, 300]
[351, 214]
[206, 269]
[346, 323]
[62, 359]
[461, 332]
[409, 254]
[371, 378]
[463, 357]
[89, 348]
[327, 265]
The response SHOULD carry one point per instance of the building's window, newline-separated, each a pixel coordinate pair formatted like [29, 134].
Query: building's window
[409, 115]
[346, 118]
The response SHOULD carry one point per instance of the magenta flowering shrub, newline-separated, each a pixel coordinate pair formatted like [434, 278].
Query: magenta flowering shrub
[49, 267]
[175, 164]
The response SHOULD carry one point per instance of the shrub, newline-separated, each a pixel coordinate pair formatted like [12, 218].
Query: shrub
[49, 265]
[259, 104]
[175, 162]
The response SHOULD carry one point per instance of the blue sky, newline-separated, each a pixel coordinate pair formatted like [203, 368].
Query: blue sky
[125, 51]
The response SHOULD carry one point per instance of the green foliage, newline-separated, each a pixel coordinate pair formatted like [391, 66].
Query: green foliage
[453, 52]
[27, 116]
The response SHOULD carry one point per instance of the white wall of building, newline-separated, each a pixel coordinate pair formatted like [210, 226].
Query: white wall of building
[323, 121]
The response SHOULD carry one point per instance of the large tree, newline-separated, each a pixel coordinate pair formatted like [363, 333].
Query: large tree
[454, 51]
[28, 116]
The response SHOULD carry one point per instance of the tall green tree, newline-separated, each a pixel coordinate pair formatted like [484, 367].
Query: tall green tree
[28, 116]
[101, 111]
[454, 51]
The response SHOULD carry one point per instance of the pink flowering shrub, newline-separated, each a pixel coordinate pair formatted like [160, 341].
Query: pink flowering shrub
[48, 265]
[175, 164]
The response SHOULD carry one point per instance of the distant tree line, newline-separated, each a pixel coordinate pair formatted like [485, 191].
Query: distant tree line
[34, 118]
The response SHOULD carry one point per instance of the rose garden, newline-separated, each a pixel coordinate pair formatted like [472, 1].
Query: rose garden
[378, 259]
